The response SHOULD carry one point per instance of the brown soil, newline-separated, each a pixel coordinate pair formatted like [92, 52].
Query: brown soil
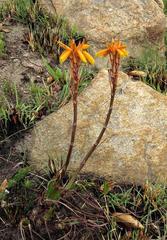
[20, 66]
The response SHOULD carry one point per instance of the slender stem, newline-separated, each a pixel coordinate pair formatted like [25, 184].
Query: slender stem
[74, 93]
[113, 76]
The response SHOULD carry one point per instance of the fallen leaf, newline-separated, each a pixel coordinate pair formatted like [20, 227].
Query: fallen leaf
[137, 73]
[127, 220]
[3, 185]
[6, 30]
[3, 29]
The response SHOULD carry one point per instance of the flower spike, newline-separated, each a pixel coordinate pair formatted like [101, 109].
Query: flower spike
[114, 47]
[75, 52]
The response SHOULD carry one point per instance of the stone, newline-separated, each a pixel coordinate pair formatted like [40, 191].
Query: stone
[134, 146]
[160, 3]
[139, 22]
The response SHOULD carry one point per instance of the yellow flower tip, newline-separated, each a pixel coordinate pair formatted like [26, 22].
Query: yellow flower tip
[85, 46]
[75, 52]
[63, 57]
[102, 53]
[125, 53]
[62, 45]
[114, 47]
[88, 57]
[122, 52]
[81, 56]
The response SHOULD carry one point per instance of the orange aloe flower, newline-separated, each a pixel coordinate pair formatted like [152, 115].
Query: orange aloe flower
[75, 52]
[114, 47]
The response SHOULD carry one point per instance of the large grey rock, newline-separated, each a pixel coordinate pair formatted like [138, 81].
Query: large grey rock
[139, 22]
[134, 147]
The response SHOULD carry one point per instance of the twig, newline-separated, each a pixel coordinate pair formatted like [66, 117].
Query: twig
[64, 237]
[37, 234]
[65, 205]
[46, 226]
[30, 230]
[53, 6]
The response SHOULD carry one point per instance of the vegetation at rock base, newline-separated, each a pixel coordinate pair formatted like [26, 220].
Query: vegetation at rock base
[93, 208]
[44, 29]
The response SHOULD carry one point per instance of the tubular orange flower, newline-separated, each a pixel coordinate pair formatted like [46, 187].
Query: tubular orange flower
[75, 52]
[114, 47]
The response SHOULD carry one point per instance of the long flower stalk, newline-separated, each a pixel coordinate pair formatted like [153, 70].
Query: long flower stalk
[74, 94]
[76, 54]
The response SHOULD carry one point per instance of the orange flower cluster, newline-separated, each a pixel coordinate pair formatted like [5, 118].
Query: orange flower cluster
[113, 48]
[79, 52]
[76, 52]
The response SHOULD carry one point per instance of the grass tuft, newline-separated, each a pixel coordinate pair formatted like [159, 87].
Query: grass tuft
[2, 45]
[153, 65]
[44, 29]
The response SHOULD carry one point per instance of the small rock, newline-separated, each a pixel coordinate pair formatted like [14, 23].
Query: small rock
[26, 54]
[16, 60]
[39, 78]
[50, 79]
[33, 79]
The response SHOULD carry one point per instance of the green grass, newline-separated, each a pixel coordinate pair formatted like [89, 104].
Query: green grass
[41, 99]
[155, 67]
[17, 111]
[2, 44]
[147, 204]
[153, 64]
[44, 29]
[165, 6]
